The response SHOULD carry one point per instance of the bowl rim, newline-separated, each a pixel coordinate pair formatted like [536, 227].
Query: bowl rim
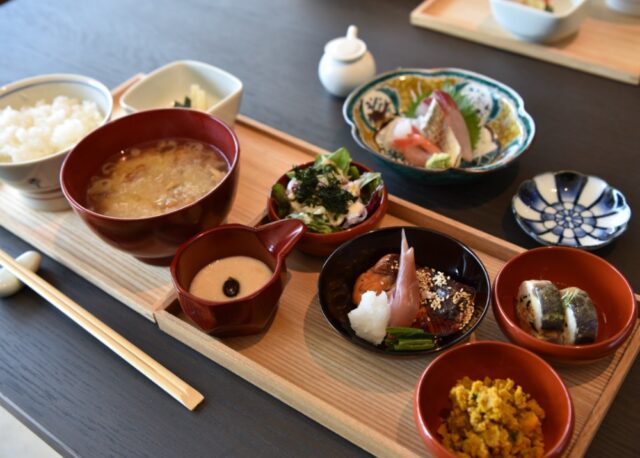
[127, 118]
[434, 441]
[519, 106]
[54, 78]
[576, 5]
[173, 267]
[621, 229]
[355, 230]
[413, 353]
[565, 352]
[127, 107]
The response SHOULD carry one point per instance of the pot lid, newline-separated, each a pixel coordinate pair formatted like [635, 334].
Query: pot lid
[346, 48]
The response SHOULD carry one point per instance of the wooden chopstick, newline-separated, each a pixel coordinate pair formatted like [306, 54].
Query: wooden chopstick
[149, 367]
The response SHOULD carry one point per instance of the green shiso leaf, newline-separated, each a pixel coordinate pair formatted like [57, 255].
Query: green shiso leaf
[411, 111]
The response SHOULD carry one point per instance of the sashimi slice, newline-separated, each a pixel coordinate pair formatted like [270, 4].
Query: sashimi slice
[456, 122]
[406, 297]
[403, 136]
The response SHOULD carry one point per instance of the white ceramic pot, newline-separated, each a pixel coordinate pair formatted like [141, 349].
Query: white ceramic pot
[346, 64]
[38, 181]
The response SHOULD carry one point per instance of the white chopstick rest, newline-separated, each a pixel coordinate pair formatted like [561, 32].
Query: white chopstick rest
[9, 284]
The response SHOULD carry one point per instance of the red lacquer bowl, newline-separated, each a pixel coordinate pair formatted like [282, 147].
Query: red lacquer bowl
[495, 360]
[270, 244]
[153, 239]
[611, 294]
[324, 244]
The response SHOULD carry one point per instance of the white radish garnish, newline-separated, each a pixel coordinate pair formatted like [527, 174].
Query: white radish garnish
[370, 319]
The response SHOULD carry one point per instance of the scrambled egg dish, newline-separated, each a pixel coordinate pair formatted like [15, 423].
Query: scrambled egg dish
[493, 418]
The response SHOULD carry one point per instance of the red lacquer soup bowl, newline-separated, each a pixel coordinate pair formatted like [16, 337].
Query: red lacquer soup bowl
[494, 360]
[324, 244]
[270, 244]
[610, 292]
[152, 239]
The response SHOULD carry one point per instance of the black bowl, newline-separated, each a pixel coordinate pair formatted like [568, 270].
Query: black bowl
[433, 249]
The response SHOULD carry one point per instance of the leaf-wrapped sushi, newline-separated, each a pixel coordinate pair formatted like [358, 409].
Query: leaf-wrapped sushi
[540, 310]
[580, 317]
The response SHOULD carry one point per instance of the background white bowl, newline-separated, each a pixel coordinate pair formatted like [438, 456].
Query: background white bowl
[631, 7]
[164, 86]
[532, 24]
[38, 180]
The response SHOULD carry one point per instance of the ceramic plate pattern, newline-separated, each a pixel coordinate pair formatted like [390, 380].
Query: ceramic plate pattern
[571, 209]
[499, 108]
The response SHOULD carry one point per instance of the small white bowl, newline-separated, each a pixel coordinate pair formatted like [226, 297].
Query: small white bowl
[532, 24]
[164, 86]
[38, 181]
[631, 7]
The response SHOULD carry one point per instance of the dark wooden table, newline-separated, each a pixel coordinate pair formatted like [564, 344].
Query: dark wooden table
[85, 401]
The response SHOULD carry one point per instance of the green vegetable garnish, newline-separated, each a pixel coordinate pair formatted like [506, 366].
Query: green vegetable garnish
[185, 104]
[439, 161]
[468, 112]
[334, 198]
[322, 195]
[308, 180]
[283, 206]
[408, 339]
[411, 111]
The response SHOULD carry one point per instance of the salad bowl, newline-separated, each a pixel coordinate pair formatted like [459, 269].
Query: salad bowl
[321, 239]
[570, 209]
[490, 106]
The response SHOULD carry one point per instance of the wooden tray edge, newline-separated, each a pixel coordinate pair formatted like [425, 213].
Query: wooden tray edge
[280, 388]
[608, 395]
[418, 18]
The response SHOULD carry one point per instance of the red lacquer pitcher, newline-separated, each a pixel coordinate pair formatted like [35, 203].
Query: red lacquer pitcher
[270, 244]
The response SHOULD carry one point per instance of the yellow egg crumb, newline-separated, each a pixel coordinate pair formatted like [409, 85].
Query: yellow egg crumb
[492, 418]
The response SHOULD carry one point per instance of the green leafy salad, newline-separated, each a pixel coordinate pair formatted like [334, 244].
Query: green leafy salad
[331, 195]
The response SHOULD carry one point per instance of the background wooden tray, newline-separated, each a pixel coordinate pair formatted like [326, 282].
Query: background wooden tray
[607, 44]
[363, 397]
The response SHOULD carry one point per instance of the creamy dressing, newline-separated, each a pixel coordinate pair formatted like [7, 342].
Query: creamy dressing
[250, 273]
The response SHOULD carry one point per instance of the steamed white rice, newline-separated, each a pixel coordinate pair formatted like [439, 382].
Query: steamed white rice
[44, 129]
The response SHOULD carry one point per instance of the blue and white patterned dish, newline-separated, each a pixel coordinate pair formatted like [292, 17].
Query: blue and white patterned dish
[571, 209]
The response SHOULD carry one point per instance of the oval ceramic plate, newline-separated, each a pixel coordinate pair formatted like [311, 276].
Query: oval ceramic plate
[570, 209]
[433, 249]
[499, 108]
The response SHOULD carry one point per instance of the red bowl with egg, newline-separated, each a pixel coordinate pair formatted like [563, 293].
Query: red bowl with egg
[152, 239]
[610, 292]
[324, 244]
[249, 314]
[494, 360]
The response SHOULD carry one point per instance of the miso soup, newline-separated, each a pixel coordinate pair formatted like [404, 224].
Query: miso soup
[155, 177]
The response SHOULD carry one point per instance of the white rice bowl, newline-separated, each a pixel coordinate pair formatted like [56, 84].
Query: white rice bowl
[43, 129]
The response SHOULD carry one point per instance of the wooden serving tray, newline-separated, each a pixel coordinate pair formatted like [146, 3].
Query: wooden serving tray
[299, 359]
[607, 44]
